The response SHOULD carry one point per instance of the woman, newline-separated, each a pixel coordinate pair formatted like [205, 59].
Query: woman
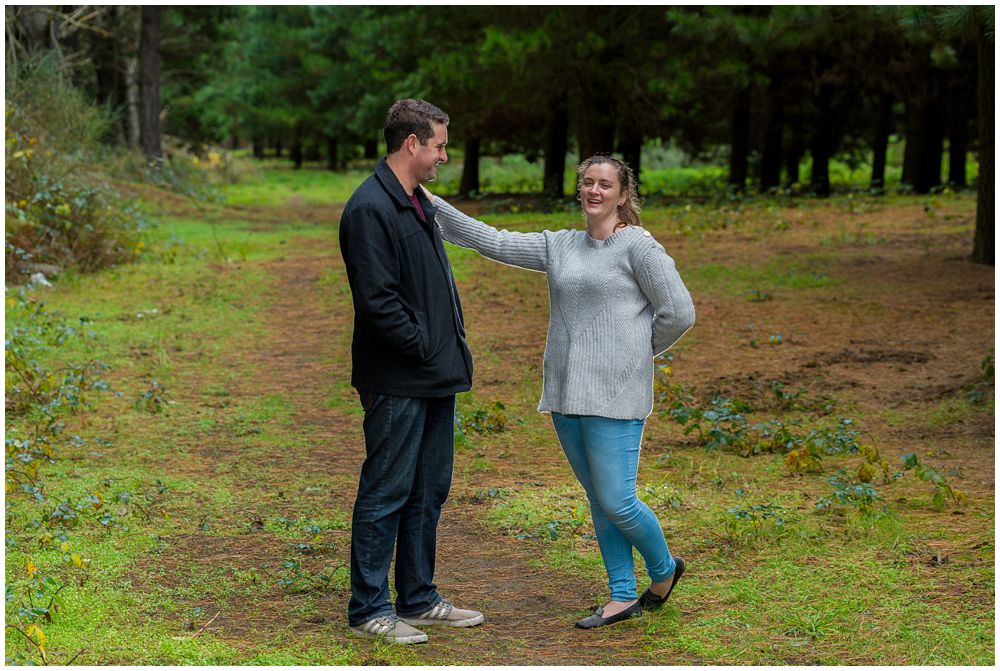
[616, 301]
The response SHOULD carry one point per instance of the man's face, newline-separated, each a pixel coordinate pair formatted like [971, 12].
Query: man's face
[428, 155]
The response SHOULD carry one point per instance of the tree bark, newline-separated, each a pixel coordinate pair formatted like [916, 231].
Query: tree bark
[278, 149]
[982, 246]
[793, 157]
[631, 147]
[924, 144]
[470, 167]
[770, 160]
[739, 143]
[332, 154]
[822, 144]
[597, 128]
[916, 122]
[152, 67]
[930, 160]
[880, 145]
[958, 143]
[555, 147]
[109, 75]
[258, 148]
[296, 154]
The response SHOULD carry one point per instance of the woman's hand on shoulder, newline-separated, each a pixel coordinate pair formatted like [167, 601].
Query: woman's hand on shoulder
[430, 196]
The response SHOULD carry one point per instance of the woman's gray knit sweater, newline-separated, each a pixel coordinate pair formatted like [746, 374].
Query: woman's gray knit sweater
[613, 305]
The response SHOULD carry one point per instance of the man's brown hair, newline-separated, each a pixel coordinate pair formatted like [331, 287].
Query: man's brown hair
[410, 115]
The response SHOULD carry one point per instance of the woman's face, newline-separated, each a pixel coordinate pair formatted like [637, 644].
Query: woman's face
[601, 192]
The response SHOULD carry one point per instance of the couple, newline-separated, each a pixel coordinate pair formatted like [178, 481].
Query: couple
[615, 302]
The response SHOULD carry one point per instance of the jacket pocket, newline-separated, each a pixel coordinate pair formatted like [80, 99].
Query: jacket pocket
[425, 339]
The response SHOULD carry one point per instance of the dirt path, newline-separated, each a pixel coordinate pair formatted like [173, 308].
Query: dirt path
[529, 610]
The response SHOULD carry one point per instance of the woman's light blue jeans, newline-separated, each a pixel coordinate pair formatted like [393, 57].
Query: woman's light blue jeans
[604, 454]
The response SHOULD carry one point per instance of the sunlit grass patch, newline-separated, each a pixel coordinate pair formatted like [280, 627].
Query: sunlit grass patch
[277, 186]
[775, 274]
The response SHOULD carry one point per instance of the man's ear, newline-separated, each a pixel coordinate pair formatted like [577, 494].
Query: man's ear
[412, 141]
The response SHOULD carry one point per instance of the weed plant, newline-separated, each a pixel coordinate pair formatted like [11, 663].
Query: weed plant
[39, 397]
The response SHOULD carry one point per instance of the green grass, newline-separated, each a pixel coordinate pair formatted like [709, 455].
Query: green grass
[190, 311]
[820, 588]
[281, 186]
[779, 273]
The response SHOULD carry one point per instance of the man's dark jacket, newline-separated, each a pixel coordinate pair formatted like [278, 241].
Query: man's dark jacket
[409, 334]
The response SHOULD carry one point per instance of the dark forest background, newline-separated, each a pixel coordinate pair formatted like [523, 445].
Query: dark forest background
[763, 90]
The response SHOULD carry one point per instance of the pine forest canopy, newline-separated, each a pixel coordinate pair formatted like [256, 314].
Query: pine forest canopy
[763, 87]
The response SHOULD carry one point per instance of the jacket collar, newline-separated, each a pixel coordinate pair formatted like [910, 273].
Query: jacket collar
[391, 184]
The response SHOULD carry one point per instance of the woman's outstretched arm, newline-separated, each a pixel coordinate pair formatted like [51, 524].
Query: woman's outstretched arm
[524, 250]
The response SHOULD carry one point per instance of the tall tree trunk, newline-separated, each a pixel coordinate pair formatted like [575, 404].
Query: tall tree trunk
[914, 139]
[258, 148]
[597, 128]
[556, 138]
[132, 88]
[770, 160]
[332, 153]
[793, 157]
[958, 143]
[152, 66]
[631, 148]
[822, 143]
[371, 148]
[296, 154]
[930, 160]
[982, 246]
[278, 149]
[470, 167]
[109, 74]
[880, 145]
[739, 141]
[924, 144]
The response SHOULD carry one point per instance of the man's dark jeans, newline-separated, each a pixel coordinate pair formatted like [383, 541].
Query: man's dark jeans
[410, 445]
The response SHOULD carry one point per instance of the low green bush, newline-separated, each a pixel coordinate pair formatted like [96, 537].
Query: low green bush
[61, 211]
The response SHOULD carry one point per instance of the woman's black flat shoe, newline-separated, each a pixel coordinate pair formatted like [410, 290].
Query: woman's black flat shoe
[598, 619]
[651, 601]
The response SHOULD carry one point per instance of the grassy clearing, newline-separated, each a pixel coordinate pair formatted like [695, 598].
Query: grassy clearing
[250, 524]
[275, 185]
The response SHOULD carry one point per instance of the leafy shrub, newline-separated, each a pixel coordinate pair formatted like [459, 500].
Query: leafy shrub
[851, 493]
[59, 212]
[943, 492]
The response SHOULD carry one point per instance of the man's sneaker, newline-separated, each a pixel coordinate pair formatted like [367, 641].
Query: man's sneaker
[391, 629]
[445, 613]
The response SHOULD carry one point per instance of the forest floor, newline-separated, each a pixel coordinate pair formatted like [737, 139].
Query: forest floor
[807, 311]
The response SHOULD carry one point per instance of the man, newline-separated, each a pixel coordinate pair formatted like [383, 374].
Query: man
[410, 358]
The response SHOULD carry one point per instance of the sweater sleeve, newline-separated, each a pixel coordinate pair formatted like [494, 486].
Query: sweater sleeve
[524, 250]
[673, 310]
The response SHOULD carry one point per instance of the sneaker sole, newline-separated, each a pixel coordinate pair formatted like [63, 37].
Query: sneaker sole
[470, 622]
[403, 640]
